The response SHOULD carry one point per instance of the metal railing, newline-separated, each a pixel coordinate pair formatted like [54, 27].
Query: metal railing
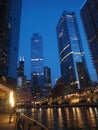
[23, 122]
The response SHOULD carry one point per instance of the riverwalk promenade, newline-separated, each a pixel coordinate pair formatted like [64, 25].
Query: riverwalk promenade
[19, 121]
[7, 123]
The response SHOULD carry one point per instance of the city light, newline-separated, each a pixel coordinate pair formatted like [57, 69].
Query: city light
[11, 99]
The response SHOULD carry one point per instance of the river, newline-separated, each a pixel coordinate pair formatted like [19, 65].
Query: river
[68, 118]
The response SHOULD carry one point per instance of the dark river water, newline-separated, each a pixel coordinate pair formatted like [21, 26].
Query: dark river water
[68, 118]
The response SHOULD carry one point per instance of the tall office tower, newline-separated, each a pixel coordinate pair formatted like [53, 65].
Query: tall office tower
[47, 77]
[9, 36]
[20, 70]
[89, 15]
[71, 52]
[37, 60]
[47, 82]
[23, 91]
[21, 78]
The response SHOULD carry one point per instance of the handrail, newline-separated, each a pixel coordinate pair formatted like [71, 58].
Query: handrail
[26, 123]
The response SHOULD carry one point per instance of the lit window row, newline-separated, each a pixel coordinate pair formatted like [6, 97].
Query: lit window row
[38, 73]
[69, 16]
[60, 35]
[77, 53]
[66, 56]
[76, 82]
[36, 59]
[70, 67]
[74, 38]
[35, 73]
[64, 49]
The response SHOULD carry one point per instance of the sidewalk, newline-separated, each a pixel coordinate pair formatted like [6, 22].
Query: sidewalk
[4, 122]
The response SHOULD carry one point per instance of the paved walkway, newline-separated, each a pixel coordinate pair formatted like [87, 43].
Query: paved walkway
[4, 122]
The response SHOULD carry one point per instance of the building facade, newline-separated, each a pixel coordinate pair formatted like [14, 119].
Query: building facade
[71, 51]
[47, 77]
[23, 91]
[47, 82]
[37, 61]
[21, 78]
[89, 15]
[20, 69]
[9, 37]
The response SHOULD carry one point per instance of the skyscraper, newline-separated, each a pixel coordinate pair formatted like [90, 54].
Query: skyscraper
[71, 51]
[15, 16]
[23, 91]
[47, 82]
[47, 77]
[89, 15]
[21, 78]
[10, 12]
[21, 67]
[37, 60]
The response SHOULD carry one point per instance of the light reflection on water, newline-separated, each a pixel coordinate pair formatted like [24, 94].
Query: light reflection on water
[69, 118]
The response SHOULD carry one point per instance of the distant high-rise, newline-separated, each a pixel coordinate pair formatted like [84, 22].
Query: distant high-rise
[47, 77]
[21, 78]
[71, 52]
[47, 82]
[23, 91]
[10, 12]
[89, 15]
[20, 70]
[36, 60]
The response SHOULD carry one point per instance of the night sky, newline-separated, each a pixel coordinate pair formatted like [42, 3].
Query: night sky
[42, 16]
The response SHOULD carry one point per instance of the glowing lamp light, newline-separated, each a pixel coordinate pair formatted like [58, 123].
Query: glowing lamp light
[11, 99]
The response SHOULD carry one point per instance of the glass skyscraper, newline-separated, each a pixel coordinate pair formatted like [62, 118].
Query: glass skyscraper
[71, 51]
[20, 69]
[15, 16]
[89, 15]
[47, 77]
[37, 60]
[21, 78]
[10, 12]
[47, 81]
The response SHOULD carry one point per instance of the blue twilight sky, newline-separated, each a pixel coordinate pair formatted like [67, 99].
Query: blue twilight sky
[42, 16]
